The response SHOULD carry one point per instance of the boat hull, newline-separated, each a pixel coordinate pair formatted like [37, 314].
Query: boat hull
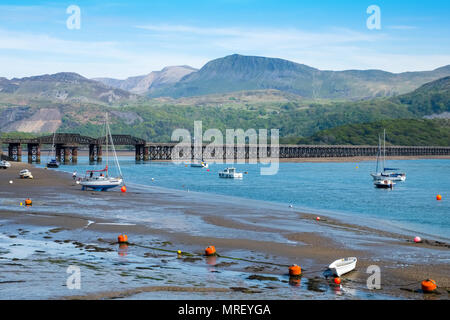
[100, 185]
[230, 176]
[343, 266]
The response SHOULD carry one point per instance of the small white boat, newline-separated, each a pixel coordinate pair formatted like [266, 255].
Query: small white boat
[230, 173]
[384, 184]
[343, 266]
[25, 174]
[199, 165]
[5, 164]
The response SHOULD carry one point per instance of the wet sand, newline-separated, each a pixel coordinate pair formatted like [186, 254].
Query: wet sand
[256, 243]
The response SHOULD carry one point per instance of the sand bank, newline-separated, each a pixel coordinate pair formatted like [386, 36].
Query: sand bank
[259, 239]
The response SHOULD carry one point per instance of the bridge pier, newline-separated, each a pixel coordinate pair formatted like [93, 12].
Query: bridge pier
[15, 152]
[74, 154]
[34, 152]
[95, 153]
[141, 152]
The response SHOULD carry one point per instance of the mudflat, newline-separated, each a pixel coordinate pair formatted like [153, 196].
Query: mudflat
[256, 243]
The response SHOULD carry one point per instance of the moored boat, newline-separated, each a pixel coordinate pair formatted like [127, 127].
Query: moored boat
[230, 173]
[343, 266]
[5, 164]
[53, 163]
[103, 181]
[386, 173]
[25, 174]
[384, 184]
[199, 165]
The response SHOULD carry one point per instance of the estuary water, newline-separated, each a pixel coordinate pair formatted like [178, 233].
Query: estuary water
[335, 189]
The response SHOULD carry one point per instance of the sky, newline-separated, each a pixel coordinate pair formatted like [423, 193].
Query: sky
[120, 39]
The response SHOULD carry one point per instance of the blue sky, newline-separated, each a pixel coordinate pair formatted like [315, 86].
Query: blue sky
[127, 38]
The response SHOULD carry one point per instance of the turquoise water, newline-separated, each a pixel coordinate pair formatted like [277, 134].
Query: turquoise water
[329, 188]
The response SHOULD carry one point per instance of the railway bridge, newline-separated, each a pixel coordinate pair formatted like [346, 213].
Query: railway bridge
[68, 144]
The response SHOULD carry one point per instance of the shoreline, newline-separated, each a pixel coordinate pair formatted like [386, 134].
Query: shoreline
[311, 249]
[122, 153]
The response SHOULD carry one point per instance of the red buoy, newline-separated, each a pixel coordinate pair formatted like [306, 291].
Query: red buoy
[123, 189]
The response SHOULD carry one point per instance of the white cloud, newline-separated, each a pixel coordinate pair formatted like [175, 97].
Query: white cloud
[157, 46]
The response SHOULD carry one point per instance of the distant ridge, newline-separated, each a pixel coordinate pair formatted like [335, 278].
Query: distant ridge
[152, 81]
[237, 72]
[61, 87]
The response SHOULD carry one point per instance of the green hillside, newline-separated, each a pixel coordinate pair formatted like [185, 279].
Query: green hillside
[403, 132]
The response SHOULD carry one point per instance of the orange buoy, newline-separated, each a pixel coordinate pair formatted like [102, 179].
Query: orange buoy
[439, 197]
[337, 280]
[28, 202]
[123, 189]
[211, 250]
[295, 270]
[429, 285]
[123, 238]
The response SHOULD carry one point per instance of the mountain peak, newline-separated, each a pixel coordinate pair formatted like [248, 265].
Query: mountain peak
[60, 76]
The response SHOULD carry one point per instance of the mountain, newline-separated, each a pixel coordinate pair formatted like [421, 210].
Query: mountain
[64, 87]
[237, 73]
[431, 99]
[400, 132]
[150, 82]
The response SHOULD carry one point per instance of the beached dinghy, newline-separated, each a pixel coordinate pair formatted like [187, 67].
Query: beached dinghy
[25, 174]
[5, 164]
[342, 266]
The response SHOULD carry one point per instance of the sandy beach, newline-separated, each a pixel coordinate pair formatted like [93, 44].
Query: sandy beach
[256, 242]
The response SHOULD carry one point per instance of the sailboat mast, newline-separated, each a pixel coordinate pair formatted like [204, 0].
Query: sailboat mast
[384, 151]
[379, 151]
[106, 138]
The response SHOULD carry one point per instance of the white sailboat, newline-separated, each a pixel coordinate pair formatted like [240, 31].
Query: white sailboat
[386, 173]
[53, 163]
[103, 181]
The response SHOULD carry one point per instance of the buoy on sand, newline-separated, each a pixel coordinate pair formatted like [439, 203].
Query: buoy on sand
[10, 181]
[123, 238]
[295, 270]
[417, 240]
[429, 285]
[210, 251]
